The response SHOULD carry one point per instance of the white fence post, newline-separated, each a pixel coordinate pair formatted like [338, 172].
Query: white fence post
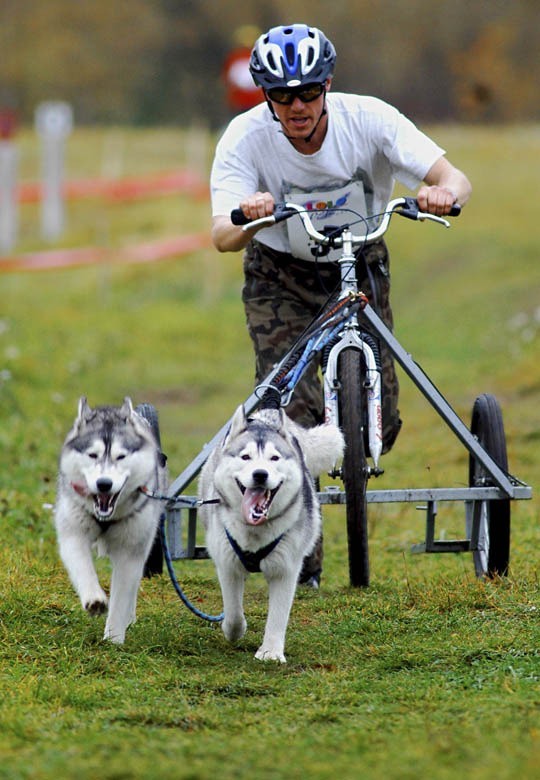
[54, 122]
[8, 182]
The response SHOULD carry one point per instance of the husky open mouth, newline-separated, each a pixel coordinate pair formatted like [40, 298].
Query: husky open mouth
[256, 503]
[105, 499]
[105, 504]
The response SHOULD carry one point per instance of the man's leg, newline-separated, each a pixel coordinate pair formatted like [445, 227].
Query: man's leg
[376, 285]
[279, 306]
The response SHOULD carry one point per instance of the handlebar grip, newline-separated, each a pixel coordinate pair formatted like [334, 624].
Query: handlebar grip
[280, 213]
[238, 217]
[411, 209]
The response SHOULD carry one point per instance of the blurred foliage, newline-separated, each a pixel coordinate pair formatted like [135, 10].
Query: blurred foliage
[159, 61]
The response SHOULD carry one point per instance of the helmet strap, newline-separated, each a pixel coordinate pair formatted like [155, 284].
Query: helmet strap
[324, 112]
[271, 107]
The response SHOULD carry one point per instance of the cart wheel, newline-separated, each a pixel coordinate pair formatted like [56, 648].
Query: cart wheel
[154, 562]
[355, 468]
[149, 412]
[493, 553]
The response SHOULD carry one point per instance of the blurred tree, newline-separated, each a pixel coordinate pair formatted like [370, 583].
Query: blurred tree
[159, 61]
[492, 82]
[96, 55]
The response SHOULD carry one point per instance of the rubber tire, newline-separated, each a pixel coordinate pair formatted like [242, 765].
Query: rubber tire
[487, 425]
[150, 414]
[154, 562]
[355, 468]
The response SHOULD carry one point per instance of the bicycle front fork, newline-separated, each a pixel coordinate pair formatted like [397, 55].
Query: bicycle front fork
[370, 383]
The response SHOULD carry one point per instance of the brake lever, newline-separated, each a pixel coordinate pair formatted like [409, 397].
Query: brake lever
[261, 222]
[423, 217]
[410, 210]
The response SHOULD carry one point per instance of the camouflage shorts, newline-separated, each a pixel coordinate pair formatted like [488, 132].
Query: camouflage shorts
[281, 296]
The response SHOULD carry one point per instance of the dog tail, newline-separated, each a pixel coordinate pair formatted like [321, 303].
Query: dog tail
[323, 448]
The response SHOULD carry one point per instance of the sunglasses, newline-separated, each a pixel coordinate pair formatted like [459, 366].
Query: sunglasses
[306, 94]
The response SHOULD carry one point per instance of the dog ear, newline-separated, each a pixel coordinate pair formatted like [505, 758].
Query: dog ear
[238, 423]
[283, 419]
[281, 423]
[127, 408]
[84, 412]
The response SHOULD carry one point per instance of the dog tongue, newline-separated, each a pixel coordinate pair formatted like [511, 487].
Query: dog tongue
[255, 504]
[104, 504]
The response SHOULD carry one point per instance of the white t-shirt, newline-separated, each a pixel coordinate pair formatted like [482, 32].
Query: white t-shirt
[368, 145]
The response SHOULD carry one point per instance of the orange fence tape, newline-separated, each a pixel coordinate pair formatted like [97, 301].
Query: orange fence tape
[129, 188]
[140, 253]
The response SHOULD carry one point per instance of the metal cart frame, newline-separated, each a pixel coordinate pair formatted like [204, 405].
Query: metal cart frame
[182, 534]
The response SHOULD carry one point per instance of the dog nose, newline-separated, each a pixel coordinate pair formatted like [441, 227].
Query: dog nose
[104, 484]
[260, 476]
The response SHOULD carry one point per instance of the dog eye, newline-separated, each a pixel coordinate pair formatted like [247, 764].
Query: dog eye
[245, 456]
[121, 456]
[92, 455]
[275, 457]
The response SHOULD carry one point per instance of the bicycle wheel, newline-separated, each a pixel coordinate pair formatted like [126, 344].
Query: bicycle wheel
[154, 562]
[354, 469]
[493, 553]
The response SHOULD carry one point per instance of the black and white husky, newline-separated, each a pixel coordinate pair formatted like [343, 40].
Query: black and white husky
[109, 458]
[263, 513]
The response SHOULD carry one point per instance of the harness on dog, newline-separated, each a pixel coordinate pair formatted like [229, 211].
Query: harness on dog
[105, 524]
[251, 561]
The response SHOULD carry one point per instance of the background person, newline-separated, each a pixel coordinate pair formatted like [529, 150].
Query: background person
[312, 146]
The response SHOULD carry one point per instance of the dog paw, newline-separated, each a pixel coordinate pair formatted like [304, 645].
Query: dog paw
[234, 629]
[264, 654]
[96, 607]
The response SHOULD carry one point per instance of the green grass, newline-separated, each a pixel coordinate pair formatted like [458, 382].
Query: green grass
[428, 673]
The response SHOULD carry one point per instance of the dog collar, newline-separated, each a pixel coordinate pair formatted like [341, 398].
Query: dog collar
[251, 561]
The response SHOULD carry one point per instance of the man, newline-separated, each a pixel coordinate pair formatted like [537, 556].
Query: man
[315, 147]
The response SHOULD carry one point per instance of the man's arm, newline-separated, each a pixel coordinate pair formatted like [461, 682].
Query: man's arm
[444, 186]
[227, 237]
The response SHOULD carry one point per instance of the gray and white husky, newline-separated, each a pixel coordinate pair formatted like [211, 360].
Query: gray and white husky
[109, 458]
[263, 513]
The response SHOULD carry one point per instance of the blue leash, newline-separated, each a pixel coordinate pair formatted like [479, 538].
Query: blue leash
[176, 585]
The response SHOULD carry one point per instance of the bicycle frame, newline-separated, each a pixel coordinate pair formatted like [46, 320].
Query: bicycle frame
[351, 338]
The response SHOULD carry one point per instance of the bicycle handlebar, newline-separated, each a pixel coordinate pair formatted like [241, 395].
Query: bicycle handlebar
[405, 207]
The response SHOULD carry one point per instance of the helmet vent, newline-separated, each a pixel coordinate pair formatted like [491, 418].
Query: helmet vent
[290, 55]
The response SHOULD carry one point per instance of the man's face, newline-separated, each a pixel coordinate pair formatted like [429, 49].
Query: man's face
[299, 118]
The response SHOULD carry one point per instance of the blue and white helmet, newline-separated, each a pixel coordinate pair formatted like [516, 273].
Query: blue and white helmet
[289, 56]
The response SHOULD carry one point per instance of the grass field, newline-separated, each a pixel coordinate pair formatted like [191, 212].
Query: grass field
[428, 673]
